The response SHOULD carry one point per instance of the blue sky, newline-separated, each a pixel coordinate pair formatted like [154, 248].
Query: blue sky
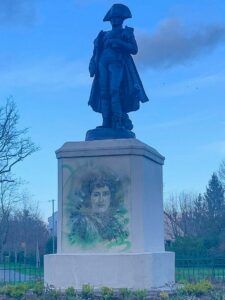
[45, 49]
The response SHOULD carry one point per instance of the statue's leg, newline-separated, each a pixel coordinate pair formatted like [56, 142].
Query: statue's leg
[105, 101]
[116, 76]
[106, 109]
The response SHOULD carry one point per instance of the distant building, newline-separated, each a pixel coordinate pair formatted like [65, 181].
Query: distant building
[50, 224]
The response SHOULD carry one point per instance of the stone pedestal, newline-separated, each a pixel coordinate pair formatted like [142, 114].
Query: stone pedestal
[110, 217]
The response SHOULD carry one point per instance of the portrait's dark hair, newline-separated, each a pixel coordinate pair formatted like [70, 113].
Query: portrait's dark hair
[97, 180]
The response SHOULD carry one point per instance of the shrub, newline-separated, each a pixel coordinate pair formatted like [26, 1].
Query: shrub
[197, 289]
[38, 288]
[15, 291]
[125, 293]
[70, 292]
[87, 291]
[106, 293]
[164, 295]
[141, 294]
[52, 293]
[188, 247]
[218, 293]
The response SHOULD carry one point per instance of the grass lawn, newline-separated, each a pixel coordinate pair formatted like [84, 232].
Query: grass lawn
[199, 273]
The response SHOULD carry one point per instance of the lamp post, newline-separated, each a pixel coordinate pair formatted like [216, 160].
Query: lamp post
[53, 225]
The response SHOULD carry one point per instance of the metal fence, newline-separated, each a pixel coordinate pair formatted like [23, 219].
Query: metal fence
[195, 269]
[17, 272]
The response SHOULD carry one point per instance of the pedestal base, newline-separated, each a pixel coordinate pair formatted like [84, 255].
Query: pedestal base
[101, 133]
[132, 270]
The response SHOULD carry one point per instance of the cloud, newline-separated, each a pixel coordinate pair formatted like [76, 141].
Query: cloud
[174, 44]
[197, 118]
[185, 121]
[17, 12]
[46, 74]
[190, 86]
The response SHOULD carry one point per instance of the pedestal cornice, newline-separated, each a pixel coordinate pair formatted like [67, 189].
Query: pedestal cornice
[109, 148]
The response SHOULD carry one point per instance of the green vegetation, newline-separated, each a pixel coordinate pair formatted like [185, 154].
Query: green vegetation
[70, 292]
[125, 293]
[141, 294]
[87, 291]
[197, 221]
[164, 295]
[33, 291]
[19, 290]
[199, 273]
[38, 288]
[107, 293]
[197, 289]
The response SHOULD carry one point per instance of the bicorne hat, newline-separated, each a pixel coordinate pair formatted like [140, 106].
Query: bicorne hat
[118, 10]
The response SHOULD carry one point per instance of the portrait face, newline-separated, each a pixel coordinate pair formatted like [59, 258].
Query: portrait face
[100, 199]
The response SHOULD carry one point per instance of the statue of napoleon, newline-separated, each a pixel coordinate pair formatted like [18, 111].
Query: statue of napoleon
[117, 88]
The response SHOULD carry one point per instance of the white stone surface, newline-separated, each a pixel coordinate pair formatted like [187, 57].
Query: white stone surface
[109, 147]
[133, 159]
[135, 271]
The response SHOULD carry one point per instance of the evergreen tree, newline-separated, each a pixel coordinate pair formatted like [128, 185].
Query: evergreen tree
[214, 199]
[214, 214]
[198, 222]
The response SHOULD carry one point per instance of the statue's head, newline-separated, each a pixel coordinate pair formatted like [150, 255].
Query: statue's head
[117, 14]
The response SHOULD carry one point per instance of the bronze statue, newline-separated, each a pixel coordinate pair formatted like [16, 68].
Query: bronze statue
[117, 88]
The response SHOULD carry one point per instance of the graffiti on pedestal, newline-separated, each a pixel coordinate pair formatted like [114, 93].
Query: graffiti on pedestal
[95, 207]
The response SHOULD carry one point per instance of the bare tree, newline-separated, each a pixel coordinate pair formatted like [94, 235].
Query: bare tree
[180, 215]
[172, 219]
[222, 173]
[9, 198]
[26, 232]
[15, 146]
[197, 222]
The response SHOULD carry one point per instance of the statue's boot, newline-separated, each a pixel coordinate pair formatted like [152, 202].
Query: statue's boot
[106, 122]
[117, 122]
[127, 122]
